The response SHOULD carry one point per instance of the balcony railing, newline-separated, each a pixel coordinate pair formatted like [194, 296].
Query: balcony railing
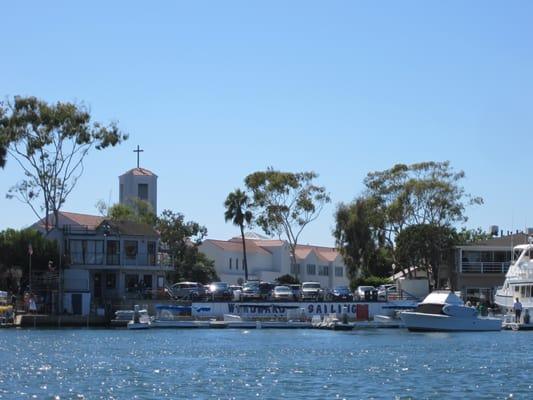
[485, 267]
[140, 259]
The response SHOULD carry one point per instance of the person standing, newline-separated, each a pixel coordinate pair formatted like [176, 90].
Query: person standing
[517, 307]
[32, 305]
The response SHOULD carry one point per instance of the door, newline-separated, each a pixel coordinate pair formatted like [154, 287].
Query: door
[147, 289]
[97, 285]
[77, 303]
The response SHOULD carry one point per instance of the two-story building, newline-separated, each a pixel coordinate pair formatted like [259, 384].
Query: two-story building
[480, 268]
[269, 259]
[105, 261]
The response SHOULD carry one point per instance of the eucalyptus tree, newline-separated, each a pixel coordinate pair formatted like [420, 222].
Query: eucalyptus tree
[136, 210]
[421, 193]
[286, 202]
[426, 246]
[180, 239]
[50, 142]
[426, 194]
[359, 239]
[3, 154]
[3, 139]
[238, 211]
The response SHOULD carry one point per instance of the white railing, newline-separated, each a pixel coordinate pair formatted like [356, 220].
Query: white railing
[485, 267]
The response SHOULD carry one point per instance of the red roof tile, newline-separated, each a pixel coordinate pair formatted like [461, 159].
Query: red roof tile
[139, 172]
[70, 218]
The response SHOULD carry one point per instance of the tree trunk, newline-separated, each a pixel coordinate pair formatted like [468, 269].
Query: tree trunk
[244, 254]
[47, 219]
[293, 258]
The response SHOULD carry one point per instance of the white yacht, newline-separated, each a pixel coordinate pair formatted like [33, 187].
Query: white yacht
[445, 311]
[518, 280]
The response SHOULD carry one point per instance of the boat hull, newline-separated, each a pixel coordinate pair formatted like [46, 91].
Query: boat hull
[420, 322]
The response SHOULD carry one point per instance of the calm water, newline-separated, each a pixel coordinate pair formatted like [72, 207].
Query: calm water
[273, 364]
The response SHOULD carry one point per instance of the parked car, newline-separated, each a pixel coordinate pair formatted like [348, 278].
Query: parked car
[251, 291]
[364, 293]
[187, 291]
[296, 291]
[341, 293]
[282, 293]
[385, 290]
[219, 291]
[312, 291]
[266, 289]
[236, 292]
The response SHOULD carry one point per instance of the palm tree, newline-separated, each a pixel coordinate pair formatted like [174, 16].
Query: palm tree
[238, 206]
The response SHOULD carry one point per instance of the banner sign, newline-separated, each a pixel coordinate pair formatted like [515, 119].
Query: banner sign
[275, 310]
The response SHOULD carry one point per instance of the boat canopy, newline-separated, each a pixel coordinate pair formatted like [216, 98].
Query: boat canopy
[442, 297]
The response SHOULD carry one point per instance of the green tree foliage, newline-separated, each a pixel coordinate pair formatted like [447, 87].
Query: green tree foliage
[3, 154]
[50, 143]
[367, 230]
[238, 211]
[14, 255]
[360, 240]
[180, 239]
[287, 279]
[4, 142]
[369, 280]
[286, 202]
[422, 193]
[425, 246]
[470, 236]
[138, 211]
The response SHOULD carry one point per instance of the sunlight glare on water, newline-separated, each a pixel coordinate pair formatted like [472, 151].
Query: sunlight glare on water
[235, 364]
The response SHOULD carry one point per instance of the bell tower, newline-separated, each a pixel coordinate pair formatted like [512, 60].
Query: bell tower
[138, 183]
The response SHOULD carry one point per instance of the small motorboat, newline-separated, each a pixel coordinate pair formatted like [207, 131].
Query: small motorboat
[445, 311]
[141, 319]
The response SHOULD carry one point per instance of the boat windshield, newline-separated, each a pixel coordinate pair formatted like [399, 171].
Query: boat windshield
[528, 253]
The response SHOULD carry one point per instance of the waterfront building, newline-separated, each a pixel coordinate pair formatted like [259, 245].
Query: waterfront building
[269, 259]
[480, 268]
[105, 262]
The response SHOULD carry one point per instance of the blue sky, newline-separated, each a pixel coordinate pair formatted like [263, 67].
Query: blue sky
[215, 90]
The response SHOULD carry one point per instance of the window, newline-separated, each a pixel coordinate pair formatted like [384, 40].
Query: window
[142, 191]
[311, 269]
[89, 252]
[323, 270]
[230, 262]
[160, 281]
[151, 253]
[130, 249]
[113, 252]
[339, 271]
[236, 263]
[121, 193]
[111, 280]
[132, 282]
[295, 269]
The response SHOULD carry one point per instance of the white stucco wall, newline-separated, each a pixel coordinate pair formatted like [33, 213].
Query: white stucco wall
[271, 265]
[130, 184]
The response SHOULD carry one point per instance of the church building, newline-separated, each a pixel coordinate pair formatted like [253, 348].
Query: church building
[106, 262]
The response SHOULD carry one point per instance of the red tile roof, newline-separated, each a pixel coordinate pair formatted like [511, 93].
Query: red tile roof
[233, 245]
[325, 254]
[139, 172]
[70, 218]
